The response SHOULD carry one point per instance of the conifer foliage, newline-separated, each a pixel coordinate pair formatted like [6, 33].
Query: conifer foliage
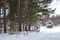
[23, 14]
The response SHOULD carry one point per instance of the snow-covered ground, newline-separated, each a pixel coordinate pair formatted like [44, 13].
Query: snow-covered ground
[55, 29]
[44, 34]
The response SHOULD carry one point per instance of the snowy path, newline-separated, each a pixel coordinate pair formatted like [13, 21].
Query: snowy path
[44, 34]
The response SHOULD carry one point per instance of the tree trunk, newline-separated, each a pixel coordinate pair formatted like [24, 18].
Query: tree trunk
[19, 13]
[5, 4]
[0, 11]
[23, 25]
[12, 14]
[26, 27]
[29, 27]
[26, 10]
[0, 15]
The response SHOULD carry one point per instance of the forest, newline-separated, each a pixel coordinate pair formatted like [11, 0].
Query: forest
[22, 15]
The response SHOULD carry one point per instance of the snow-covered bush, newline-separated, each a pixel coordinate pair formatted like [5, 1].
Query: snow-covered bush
[49, 24]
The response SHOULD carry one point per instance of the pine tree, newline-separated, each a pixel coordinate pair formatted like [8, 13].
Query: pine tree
[27, 11]
[0, 11]
[0, 14]
[31, 8]
[5, 4]
[12, 15]
[19, 14]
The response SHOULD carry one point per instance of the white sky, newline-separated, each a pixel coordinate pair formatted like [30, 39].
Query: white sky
[56, 4]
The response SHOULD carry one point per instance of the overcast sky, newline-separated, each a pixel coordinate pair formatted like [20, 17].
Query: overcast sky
[56, 4]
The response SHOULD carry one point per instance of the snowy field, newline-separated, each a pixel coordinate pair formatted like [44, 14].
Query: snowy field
[44, 34]
[55, 29]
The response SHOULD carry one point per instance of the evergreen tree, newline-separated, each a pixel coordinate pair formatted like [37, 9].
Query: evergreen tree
[19, 12]
[5, 4]
[27, 11]
[0, 11]
[0, 16]
[36, 6]
[12, 14]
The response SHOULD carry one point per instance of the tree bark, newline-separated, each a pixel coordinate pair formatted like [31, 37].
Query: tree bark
[26, 26]
[5, 4]
[0, 16]
[0, 11]
[29, 26]
[26, 10]
[23, 26]
[19, 13]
